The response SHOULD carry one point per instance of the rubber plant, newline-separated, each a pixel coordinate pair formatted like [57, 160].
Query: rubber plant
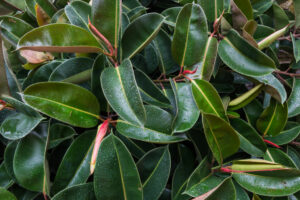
[153, 100]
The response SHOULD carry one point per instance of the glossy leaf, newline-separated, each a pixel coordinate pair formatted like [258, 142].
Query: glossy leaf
[9, 158]
[5, 180]
[270, 183]
[206, 66]
[171, 15]
[155, 130]
[243, 58]
[273, 119]
[286, 136]
[29, 163]
[297, 12]
[150, 93]
[21, 123]
[139, 33]
[70, 68]
[154, 168]
[5, 194]
[221, 137]
[63, 101]
[78, 13]
[106, 16]
[207, 98]
[116, 175]
[190, 35]
[121, 91]
[59, 133]
[212, 9]
[162, 43]
[12, 28]
[251, 141]
[188, 113]
[75, 166]
[77, 192]
[293, 104]
[82, 40]
[278, 156]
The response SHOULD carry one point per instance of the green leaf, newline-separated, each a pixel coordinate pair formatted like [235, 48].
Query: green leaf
[162, 43]
[155, 129]
[243, 58]
[278, 156]
[5, 194]
[190, 35]
[270, 183]
[21, 123]
[59, 133]
[9, 154]
[29, 163]
[12, 29]
[171, 15]
[121, 91]
[77, 192]
[206, 66]
[273, 119]
[5, 180]
[182, 172]
[154, 168]
[253, 111]
[273, 86]
[67, 70]
[140, 32]
[297, 12]
[245, 7]
[41, 74]
[65, 102]
[116, 175]
[75, 166]
[106, 17]
[251, 141]
[208, 99]
[245, 98]
[150, 93]
[99, 65]
[212, 9]
[293, 103]
[285, 137]
[221, 137]
[188, 113]
[38, 39]
[294, 155]
[78, 13]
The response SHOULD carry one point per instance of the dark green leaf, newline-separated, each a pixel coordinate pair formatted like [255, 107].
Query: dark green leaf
[242, 57]
[278, 156]
[139, 33]
[121, 91]
[59, 133]
[116, 175]
[293, 103]
[154, 168]
[64, 101]
[155, 129]
[190, 35]
[212, 9]
[77, 192]
[78, 13]
[5, 180]
[75, 166]
[286, 136]
[5, 194]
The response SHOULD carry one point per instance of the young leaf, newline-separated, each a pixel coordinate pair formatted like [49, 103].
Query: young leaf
[139, 33]
[190, 35]
[221, 137]
[121, 91]
[116, 175]
[273, 119]
[154, 168]
[106, 16]
[65, 102]
[243, 58]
